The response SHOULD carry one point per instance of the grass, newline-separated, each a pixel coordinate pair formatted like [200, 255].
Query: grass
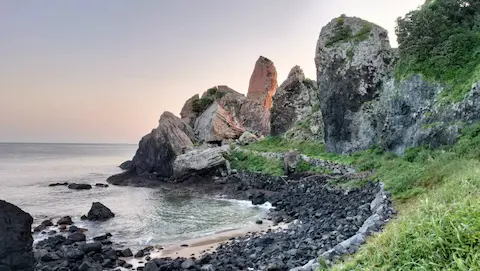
[343, 33]
[437, 194]
[310, 148]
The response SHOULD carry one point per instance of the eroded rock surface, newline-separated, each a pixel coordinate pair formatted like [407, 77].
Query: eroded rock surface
[157, 150]
[263, 82]
[188, 114]
[296, 113]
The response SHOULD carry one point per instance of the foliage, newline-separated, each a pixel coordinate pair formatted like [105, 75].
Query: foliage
[441, 40]
[343, 32]
[255, 163]
[202, 104]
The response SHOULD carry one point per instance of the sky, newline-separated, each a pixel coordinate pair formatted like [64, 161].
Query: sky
[104, 71]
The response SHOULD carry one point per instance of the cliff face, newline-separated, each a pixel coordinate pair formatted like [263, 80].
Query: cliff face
[364, 105]
[295, 113]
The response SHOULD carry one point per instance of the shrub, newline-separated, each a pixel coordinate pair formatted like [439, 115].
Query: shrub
[441, 40]
[202, 104]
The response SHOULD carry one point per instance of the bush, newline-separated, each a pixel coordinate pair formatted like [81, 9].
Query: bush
[441, 40]
[202, 104]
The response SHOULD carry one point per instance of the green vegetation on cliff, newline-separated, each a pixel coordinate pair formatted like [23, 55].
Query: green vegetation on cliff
[345, 33]
[441, 40]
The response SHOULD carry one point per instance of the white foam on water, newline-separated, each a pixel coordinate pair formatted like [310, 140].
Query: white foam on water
[248, 204]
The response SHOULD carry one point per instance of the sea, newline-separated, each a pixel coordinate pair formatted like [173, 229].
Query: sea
[143, 216]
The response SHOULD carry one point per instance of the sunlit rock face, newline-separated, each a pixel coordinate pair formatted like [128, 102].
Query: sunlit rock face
[263, 82]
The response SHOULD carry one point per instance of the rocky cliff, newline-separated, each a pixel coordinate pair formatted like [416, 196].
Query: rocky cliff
[363, 104]
[263, 82]
[296, 113]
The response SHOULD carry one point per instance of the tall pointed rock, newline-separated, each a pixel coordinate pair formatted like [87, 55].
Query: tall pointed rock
[263, 82]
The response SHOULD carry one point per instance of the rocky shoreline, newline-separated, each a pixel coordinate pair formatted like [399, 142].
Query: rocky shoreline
[322, 221]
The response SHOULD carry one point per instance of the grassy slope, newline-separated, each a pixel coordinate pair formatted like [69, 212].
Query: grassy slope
[437, 193]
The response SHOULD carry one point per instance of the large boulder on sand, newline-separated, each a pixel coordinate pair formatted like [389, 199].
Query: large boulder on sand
[296, 113]
[99, 212]
[199, 160]
[157, 150]
[15, 239]
[353, 57]
[229, 116]
[263, 82]
[188, 114]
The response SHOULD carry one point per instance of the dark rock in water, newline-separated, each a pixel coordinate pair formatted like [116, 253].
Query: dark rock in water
[76, 237]
[99, 212]
[43, 226]
[127, 165]
[101, 185]
[139, 254]
[81, 186]
[257, 198]
[126, 253]
[58, 184]
[184, 245]
[101, 237]
[15, 239]
[259, 222]
[84, 217]
[73, 229]
[66, 220]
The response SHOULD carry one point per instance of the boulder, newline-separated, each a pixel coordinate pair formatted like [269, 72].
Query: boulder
[199, 160]
[157, 150]
[15, 239]
[263, 82]
[66, 220]
[230, 116]
[188, 114]
[353, 57]
[296, 113]
[79, 186]
[43, 226]
[247, 138]
[127, 165]
[99, 212]
[290, 161]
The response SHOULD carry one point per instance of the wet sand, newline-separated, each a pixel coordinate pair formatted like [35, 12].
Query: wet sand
[199, 246]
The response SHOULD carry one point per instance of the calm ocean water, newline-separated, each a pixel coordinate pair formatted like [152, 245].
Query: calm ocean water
[144, 216]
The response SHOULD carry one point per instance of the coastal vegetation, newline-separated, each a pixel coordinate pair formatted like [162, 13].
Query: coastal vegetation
[441, 41]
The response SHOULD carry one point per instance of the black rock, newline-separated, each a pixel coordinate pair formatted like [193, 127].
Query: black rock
[15, 238]
[99, 212]
[76, 237]
[188, 263]
[101, 237]
[79, 186]
[58, 184]
[89, 247]
[85, 266]
[184, 245]
[139, 254]
[126, 253]
[66, 220]
[101, 185]
[83, 217]
[73, 229]
[258, 198]
[259, 222]
[127, 165]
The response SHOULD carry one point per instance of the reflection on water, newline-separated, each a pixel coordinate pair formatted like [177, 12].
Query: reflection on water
[143, 216]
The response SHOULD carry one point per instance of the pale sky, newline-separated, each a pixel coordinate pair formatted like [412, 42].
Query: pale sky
[104, 71]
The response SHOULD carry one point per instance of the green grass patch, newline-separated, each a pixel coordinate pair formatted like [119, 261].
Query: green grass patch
[310, 148]
[255, 163]
[343, 32]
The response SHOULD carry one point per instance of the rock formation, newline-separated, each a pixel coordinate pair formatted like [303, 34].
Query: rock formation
[15, 239]
[229, 115]
[99, 212]
[263, 82]
[363, 104]
[296, 109]
[157, 150]
[353, 57]
[199, 160]
[188, 115]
